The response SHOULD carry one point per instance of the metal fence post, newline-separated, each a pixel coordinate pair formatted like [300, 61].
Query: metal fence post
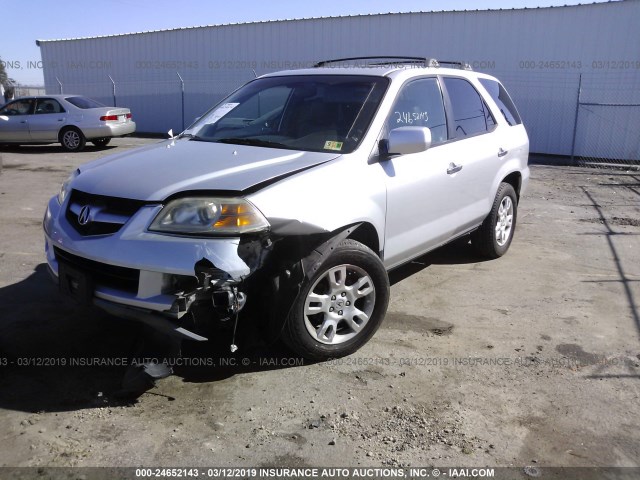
[575, 121]
[113, 89]
[182, 96]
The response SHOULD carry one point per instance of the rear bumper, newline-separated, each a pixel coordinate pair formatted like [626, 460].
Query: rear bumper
[109, 130]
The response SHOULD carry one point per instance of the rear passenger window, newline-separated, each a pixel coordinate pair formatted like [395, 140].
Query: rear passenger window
[419, 104]
[470, 114]
[48, 105]
[503, 100]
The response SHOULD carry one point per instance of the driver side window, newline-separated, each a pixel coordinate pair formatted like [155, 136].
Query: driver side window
[419, 104]
[18, 107]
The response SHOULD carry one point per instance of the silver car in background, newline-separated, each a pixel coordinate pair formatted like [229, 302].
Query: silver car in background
[291, 199]
[70, 120]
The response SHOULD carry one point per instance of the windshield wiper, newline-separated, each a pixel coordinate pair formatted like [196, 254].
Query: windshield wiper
[191, 136]
[254, 142]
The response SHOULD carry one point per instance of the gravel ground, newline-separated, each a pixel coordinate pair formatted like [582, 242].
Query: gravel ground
[532, 359]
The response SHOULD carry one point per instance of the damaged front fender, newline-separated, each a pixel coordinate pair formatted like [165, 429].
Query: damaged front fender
[296, 258]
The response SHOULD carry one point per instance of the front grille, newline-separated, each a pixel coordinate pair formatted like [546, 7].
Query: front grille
[109, 213]
[120, 278]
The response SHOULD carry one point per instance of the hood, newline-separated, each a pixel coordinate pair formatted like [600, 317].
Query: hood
[155, 172]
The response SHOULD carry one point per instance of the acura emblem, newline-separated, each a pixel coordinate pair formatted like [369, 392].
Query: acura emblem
[84, 216]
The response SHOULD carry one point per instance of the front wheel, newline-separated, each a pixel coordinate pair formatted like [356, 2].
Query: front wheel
[72, 140]
[101, 142]
[493, 238]
[341, 306]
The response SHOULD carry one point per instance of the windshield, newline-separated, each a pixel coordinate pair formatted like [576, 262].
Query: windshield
[83, 102]
[320, 113]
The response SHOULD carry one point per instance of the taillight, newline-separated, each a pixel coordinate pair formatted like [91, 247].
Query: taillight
[107, 118]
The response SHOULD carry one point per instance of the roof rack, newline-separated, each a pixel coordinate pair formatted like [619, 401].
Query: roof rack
[423, 61]
[427, 62]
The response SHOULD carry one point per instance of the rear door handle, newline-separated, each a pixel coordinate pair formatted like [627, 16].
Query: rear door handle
[502, 153]
[453, 168]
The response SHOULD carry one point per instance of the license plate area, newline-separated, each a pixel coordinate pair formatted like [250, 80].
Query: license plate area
[76, 284]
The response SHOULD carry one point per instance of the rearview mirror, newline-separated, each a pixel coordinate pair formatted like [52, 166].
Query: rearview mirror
[404, 140]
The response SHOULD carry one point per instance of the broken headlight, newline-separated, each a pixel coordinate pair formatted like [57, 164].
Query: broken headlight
[202, 216]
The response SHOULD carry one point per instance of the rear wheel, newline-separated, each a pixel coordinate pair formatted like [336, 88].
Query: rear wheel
[72, 139]
[101, 142]
[341, 306]
[493, 238]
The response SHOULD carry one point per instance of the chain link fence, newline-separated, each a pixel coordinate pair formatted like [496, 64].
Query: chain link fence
[607, 121]
[585, 119]
[16, 90]
[158, 103]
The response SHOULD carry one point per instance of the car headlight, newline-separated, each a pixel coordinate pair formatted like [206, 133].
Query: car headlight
[209, 216]
[66, 186]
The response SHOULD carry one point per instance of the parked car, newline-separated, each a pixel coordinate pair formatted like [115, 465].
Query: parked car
[296, 195]
[67, 119]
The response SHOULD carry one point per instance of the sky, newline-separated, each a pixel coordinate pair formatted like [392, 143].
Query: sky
[87, 18]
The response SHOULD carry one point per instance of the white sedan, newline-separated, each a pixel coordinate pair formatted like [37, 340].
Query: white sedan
[71, 120]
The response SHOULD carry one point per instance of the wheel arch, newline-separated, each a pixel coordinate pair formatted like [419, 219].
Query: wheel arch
[69, 127]
[515, 180]
[367, 234]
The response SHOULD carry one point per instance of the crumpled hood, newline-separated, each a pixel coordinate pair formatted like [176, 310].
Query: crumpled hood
[155, 172]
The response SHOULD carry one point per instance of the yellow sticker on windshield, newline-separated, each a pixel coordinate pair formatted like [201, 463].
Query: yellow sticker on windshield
[329, 145]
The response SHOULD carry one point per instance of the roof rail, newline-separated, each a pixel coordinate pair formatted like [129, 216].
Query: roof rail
[424, 61]
[427, 62]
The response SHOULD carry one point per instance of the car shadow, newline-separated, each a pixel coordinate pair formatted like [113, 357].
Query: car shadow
[58, 356]
[458, 252]
[41, 333]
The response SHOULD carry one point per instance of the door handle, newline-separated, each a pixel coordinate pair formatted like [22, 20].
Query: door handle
[61, 119]
[453, 168]
[502, 153]
[23, 121]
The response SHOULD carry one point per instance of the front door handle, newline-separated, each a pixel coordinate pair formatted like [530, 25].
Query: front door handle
[453, 168]
[502, 153]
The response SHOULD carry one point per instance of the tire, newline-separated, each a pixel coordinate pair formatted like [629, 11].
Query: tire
[351, 280]
[101, 142]
[493, 238]
[72, 140]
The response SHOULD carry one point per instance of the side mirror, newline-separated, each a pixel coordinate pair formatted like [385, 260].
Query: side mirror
[404, 140]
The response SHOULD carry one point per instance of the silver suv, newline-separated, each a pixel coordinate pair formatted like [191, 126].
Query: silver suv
[287, 203]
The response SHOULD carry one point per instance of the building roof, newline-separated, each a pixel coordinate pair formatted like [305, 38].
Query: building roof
[38, 42]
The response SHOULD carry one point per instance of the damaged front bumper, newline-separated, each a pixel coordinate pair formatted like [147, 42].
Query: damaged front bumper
[154, 278]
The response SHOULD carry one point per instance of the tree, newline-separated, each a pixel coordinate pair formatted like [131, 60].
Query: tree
[6, 82]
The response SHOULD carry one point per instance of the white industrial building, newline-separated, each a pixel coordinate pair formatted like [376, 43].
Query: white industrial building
[544, 56]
